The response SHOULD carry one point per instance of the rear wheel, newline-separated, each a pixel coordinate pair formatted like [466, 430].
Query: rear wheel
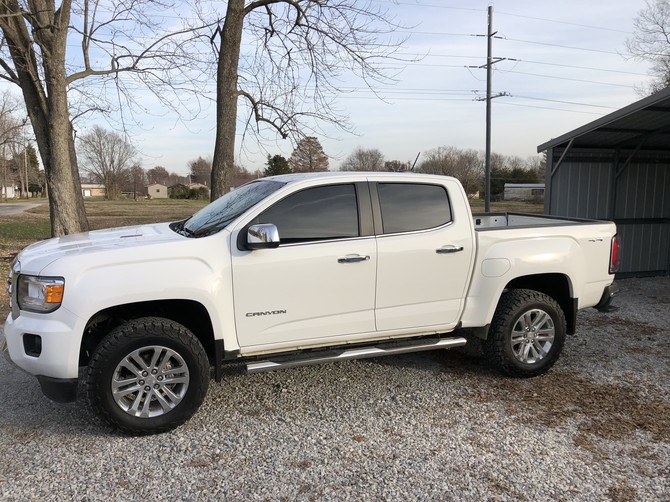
[527, 334]
[147, 376]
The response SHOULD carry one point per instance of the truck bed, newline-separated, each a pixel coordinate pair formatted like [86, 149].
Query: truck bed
[488, 221]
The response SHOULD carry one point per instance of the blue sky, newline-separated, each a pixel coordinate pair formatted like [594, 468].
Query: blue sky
[565, 67]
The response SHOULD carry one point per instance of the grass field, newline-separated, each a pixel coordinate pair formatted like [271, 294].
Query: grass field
[19, 230]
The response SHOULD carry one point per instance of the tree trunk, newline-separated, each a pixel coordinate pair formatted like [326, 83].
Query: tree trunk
[48, 108]
[223, 164]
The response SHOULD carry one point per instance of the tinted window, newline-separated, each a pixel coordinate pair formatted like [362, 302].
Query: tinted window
[407, 207]
[328, 212]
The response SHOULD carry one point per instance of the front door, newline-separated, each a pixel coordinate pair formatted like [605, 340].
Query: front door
[318, 284]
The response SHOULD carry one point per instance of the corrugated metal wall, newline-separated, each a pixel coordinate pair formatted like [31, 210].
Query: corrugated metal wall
[635, 194]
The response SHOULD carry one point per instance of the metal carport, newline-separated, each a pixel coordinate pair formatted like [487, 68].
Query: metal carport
[618, 168]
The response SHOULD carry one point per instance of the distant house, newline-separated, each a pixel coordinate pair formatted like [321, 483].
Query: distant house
[157, 191]
[524, 191]
[93, 190]
[8, 192]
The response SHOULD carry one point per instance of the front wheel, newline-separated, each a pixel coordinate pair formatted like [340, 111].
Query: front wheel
[527, 334]
[147, 376]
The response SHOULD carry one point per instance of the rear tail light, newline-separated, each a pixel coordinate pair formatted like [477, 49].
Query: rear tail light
[615, 254]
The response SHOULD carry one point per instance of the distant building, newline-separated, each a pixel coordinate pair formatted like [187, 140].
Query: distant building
[157, 191]
[93, 190]
[524, 191]
[8, 192]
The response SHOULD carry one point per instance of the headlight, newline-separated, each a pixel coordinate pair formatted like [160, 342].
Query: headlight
[40, 294]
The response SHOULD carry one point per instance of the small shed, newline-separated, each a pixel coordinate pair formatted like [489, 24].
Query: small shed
[93, 190]
[157, 191]
[618, 168]
[8, 192]
[524, 191]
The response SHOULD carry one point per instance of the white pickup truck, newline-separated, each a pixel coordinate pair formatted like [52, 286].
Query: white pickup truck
[295, 270]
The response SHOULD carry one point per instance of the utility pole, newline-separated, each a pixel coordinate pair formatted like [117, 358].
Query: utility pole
[489, 79]
[490, 61]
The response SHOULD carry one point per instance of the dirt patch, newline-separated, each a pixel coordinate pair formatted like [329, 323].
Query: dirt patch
[602, 410]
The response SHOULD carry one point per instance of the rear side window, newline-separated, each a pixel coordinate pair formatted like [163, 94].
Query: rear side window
[407, 207]
[321, 213]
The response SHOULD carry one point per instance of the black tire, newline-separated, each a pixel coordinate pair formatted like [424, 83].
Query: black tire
[147, 376]
[527, 334]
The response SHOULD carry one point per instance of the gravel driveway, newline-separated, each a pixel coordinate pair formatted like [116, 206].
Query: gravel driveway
[427, 426]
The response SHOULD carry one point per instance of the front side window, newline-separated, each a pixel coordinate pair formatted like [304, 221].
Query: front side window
[408, 207]
[225, 209]
[321, 213]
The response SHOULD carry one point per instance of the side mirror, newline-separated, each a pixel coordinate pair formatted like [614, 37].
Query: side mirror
[262, 236]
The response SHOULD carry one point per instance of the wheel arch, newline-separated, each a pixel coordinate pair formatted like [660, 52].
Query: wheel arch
[557, 286]
[190, 314]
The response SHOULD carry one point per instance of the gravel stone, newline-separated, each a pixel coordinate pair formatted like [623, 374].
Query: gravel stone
[427, 426]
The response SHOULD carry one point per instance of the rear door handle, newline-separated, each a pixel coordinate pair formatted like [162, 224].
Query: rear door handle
[352, 258]
[449, 249]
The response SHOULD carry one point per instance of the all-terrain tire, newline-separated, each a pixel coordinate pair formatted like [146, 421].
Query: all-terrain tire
[527, 334]
[147, 376]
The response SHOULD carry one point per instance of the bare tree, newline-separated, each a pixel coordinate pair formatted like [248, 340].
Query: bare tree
[397, 166]
[115, 39]
[200, 170]
[158, 174]
[11, 130]
[465, 165]
[363, 159]
[308, 156]
[288, 82]
[651, 42]
[25, 166]
[136, 180]
[107, 158]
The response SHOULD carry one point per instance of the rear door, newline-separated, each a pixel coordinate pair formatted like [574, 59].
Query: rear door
[425, 252]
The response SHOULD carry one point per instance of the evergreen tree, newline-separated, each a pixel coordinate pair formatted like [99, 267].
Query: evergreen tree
[277, 165]
[308, 156]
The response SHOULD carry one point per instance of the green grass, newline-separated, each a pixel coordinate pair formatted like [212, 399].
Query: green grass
[24, 230]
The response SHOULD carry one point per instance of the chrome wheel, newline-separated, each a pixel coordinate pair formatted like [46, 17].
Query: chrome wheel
[532, 336]
[150, 381]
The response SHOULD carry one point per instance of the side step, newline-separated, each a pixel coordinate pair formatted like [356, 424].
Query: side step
[387, 349]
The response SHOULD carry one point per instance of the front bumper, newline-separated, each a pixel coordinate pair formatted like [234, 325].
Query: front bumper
[57, 389]
[58, 355]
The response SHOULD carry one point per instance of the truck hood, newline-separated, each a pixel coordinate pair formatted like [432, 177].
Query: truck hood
[37, 256]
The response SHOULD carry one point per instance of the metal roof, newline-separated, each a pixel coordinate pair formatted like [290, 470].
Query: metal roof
[644, 123]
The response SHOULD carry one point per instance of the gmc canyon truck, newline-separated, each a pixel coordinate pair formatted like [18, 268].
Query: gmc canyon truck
[295, 270]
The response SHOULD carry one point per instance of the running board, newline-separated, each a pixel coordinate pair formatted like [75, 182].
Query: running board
[281, 362]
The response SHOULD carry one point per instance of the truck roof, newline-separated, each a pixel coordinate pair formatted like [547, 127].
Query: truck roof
[296, 177]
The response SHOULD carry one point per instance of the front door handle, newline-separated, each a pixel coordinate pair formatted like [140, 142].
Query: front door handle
[352, 258]
[449, 249]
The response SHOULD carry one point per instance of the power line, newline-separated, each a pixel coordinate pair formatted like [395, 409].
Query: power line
[559, 45]
[564, 102]
[549, 108]
[527, 61]
[511, 14]
[567, 78]
[590, 26]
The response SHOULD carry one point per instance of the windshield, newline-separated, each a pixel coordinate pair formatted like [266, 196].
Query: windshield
[226, 208]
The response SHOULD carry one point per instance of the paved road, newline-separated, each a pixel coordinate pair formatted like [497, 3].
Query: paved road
[17, 207]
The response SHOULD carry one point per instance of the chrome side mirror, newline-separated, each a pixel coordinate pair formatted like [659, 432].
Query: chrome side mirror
[262, 236]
